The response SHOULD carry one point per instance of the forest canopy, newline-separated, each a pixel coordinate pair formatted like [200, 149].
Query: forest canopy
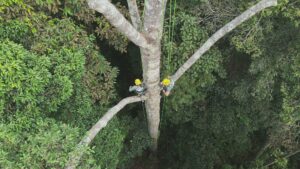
[63, 66]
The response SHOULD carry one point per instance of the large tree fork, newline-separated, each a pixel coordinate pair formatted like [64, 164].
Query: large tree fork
[149, 41]
[114, 16]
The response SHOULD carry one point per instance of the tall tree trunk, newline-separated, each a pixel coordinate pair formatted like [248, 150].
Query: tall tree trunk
[151, 56]
[149, 42]
[151, 78]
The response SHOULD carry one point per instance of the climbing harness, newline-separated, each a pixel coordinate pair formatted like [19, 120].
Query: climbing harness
[145, 113]
[166, 86]
[138, 88]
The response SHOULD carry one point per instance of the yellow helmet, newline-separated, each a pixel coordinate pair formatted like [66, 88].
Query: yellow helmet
[166, 82]
[138, 82]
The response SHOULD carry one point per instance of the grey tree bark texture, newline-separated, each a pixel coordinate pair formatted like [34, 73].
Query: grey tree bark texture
[151, 57]
[134, 14]
[118, 20]
[149, 41]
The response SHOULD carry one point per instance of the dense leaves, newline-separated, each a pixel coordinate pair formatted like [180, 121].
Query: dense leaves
[59, 77]
[241, 117]
[236, 108]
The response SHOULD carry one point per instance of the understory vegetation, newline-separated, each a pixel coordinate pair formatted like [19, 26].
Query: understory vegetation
[62, 66]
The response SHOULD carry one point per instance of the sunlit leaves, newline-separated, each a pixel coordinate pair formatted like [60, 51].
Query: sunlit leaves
[24, 75]
[45, 144]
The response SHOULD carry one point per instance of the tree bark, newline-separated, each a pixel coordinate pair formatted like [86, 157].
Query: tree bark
[151, 57]
[118, 20]
[221, 33]
[134, 14]
[91, 134]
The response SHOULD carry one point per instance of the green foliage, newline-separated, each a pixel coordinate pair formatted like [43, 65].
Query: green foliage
[290, 87]
[272, 60]
[106, 31]
[24, 78]
[98, 76]
[137, 142]
[81, 12]
[28, 139]
[12, 8]
[238, 106]
[291, 10]
[51, 84]
[78, 10]
[186, 41]
[61, 77]
[108, 151]
[45, 144]
[15, 30]
[227, 121]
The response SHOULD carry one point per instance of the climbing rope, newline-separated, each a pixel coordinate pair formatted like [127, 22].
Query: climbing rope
[162, 112]
[145, 113]
[172, 14]
[171, 30]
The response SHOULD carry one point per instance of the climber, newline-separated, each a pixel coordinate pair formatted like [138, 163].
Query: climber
[138, 88]
[167, 85]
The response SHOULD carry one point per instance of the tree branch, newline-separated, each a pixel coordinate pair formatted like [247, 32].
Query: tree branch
[221, 33]
[134, 14]
[91, 134]
[154, 15]
[286, 156]
[112, 14]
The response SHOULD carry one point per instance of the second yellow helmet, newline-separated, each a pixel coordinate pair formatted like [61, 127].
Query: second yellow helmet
[166, 82]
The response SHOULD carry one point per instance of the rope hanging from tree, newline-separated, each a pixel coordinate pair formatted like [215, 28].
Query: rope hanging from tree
[172, 14]
[171, 26]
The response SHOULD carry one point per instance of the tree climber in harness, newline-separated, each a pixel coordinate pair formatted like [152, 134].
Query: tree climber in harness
[138, 88]
[167, 85]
